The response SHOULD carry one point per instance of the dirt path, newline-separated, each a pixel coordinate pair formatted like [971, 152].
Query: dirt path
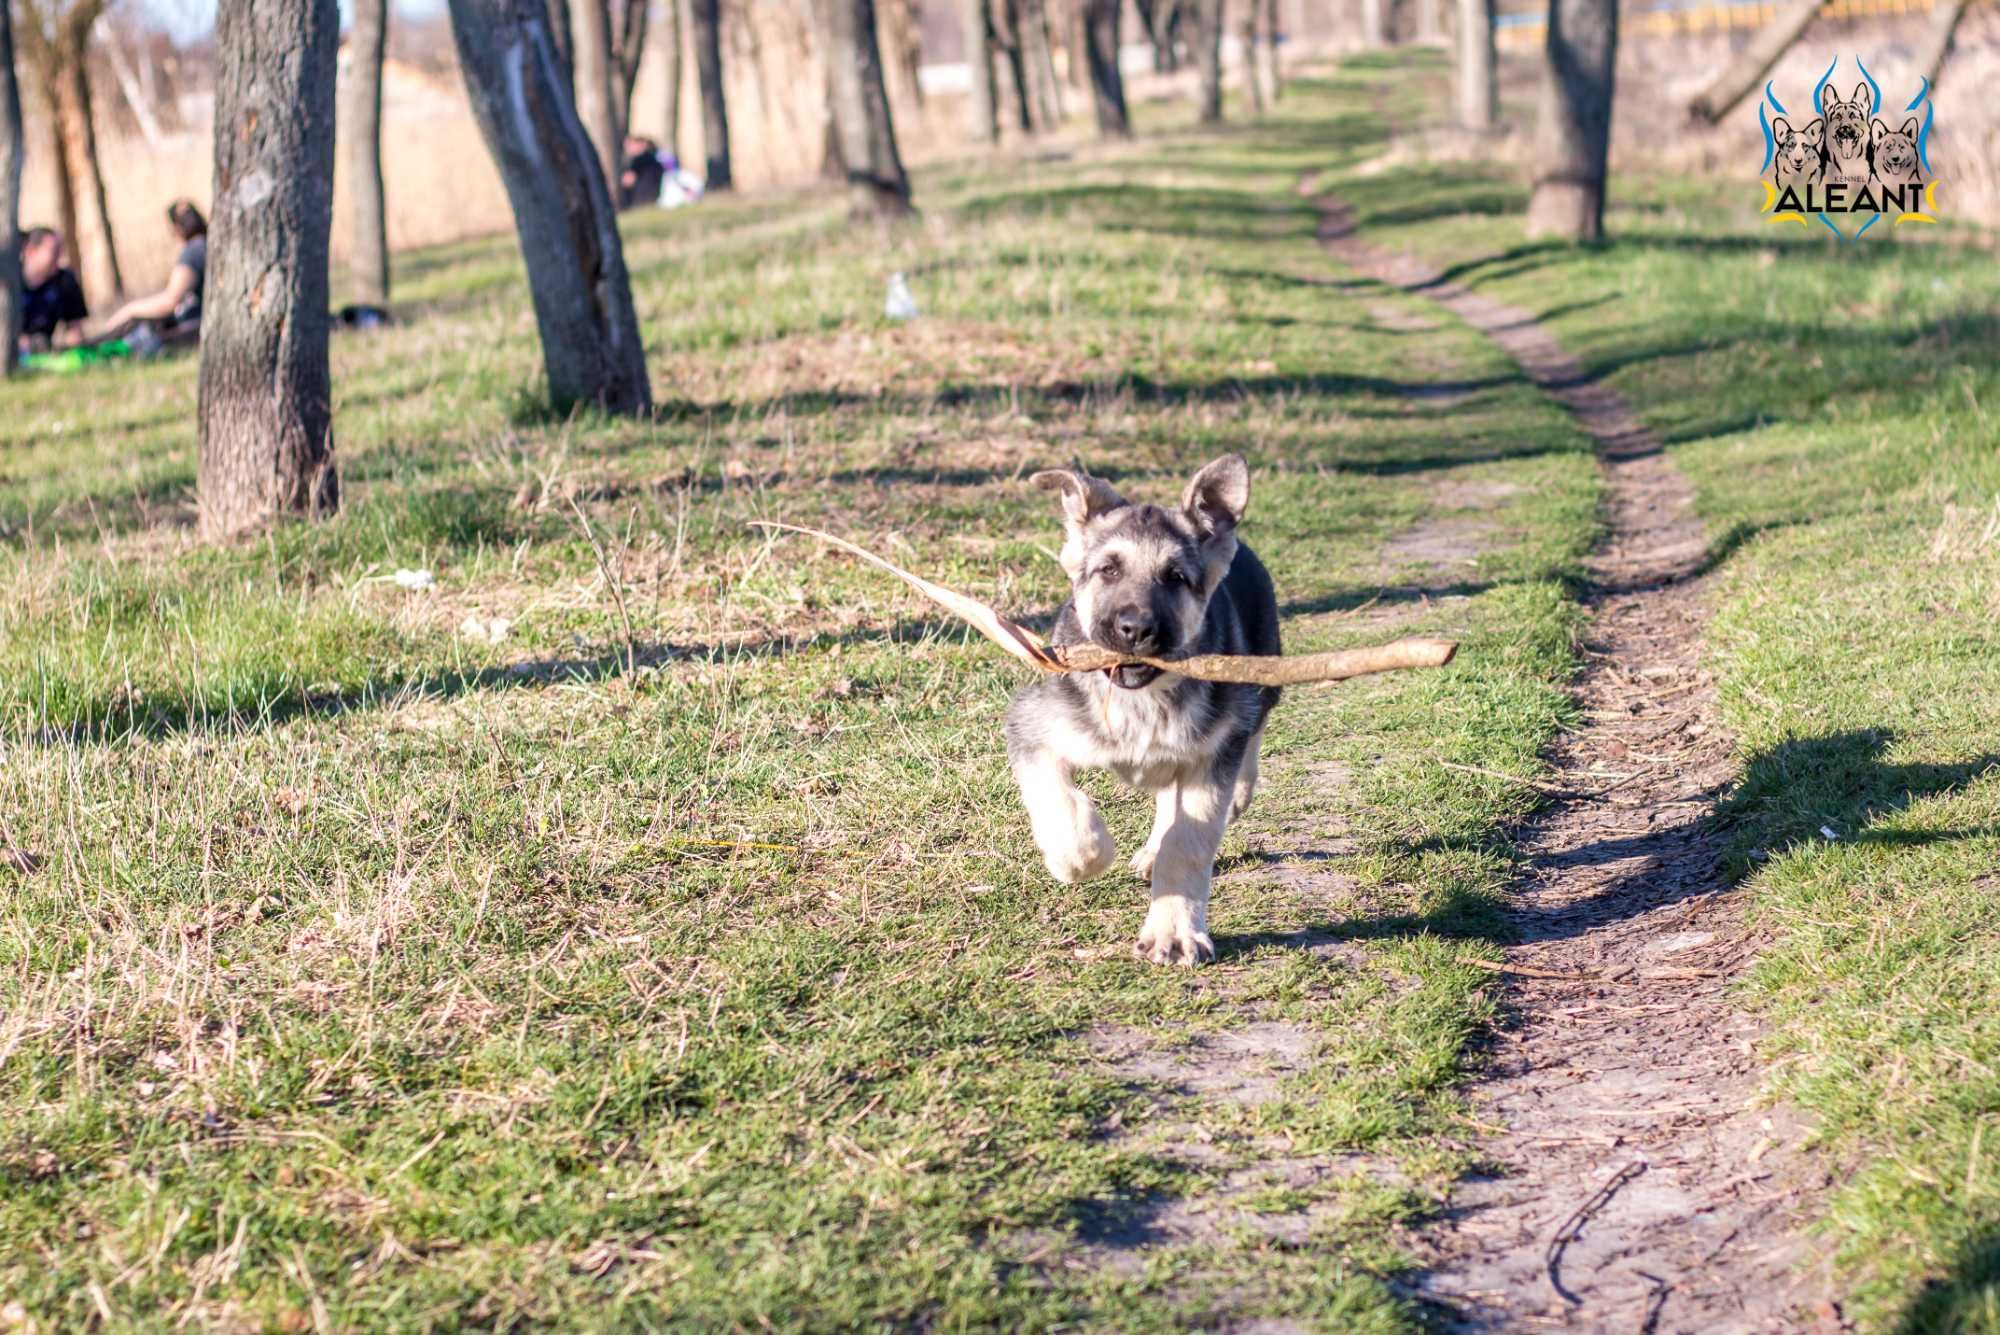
[1635, 1185]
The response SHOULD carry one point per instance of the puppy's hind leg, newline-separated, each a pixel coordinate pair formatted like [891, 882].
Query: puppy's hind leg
[1068, 830]
[1246, 776]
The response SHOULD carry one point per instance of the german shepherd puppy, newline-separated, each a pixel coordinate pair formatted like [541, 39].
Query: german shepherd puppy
[1846, 135]
[1164, 583]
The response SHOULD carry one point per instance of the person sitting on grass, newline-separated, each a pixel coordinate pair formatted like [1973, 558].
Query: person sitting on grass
[174, 312]
[645, 170]
[53, 309]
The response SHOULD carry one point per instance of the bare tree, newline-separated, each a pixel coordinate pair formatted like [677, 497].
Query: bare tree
[706, 18]
[591, 76]
[367, 39]
[1208, 18]
[1271, 31]
[629, 21]
[978, 32]
[1573, 132]
[1377, 22]
[1031, 20]
[12, 153]
[266, 400]
[877, 185]
[1246, 33]
[1936, 43]
[1478, 88]
[55, 38]
[1162, 22]
[1007, 37]
[670, 67]
[1107, 85]
[561, 202]
[1745, 74]
[559, 32]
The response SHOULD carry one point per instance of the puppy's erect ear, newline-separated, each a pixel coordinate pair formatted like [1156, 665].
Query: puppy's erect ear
[1813, 131]
[1780, 128]
[1881, 131]
[1218, 495]
[1859, 90]
[1829, 98]
[1083, 497]
[1909, 129]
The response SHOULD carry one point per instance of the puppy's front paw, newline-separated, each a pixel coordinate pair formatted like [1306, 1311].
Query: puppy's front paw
[1142, 861]
[1088, 854]
[1174, 934]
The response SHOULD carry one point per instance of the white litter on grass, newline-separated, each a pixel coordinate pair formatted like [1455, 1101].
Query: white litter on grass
[1827, 830]
[902, 303]
[414, 579]
[486, 630]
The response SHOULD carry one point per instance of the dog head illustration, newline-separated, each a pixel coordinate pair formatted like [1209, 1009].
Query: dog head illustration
[1141, 575]
[1798, 149]
[1846, 122]
[1896, 151]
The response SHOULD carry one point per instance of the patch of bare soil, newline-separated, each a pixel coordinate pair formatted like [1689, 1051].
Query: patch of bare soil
[1636, 1184]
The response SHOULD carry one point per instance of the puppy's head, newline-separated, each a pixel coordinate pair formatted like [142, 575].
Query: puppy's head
[1798, 149]
[1846, 122]
[1141, 575]
[1896, 150]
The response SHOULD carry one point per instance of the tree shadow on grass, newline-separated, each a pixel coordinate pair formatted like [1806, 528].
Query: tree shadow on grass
[1966, 1298]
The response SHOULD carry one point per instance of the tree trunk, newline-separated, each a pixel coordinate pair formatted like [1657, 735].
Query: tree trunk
[562, 206]
[1032, 32]
[1573, 136]
[1246, 33]
[628, 50]
[979, 57]
[1935, 45]
[1208, 58]
[96, 247]
[1478, 88]
[596, 96]
[706, 16]
[1160, 18]
[369, 243]
[1100, 33]
[266, 402]
[832, 153]
[1745, 74]
[12, 154]
[1377, 20]
[670, 57]
[1272, 62]
[1009, 41]
[559, 32]
[1430, 20]
[876, 184]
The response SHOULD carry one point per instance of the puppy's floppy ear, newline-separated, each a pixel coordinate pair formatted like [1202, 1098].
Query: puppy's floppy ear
[1083, 497]
[1218, 495]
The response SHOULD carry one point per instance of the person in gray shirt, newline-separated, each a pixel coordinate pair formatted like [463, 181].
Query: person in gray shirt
[175, 310]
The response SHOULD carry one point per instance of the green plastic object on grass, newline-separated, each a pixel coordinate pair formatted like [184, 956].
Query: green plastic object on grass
[68, 361]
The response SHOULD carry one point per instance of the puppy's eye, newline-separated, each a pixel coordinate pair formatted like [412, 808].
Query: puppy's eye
[1110, 569]
[1172, 577]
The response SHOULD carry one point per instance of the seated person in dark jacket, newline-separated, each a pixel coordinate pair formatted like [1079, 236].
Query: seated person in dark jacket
[53, 309]
[645, 169]
[175, 310]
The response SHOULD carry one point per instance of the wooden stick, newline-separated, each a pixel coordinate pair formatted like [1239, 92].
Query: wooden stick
[1250, 669]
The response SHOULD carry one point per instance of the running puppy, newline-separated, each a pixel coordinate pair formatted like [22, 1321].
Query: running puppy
[1163, 583]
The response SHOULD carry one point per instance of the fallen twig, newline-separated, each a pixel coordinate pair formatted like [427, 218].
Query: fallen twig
[1572, 1227]
[1524, 971]
[1249, 669]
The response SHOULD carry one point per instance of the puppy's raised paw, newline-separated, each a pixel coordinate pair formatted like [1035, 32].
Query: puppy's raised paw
[1090, 852]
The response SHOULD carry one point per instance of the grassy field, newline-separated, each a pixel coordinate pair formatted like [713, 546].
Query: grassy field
[683, 955]
[1838, 410]
[679, 953]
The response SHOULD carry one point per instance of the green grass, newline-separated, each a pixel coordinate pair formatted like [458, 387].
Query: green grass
[377, 975]
[1838, 410]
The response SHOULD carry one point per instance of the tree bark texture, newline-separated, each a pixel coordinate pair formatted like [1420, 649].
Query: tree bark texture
[596, 91]
[876, 183]
[670, 69]
[1573, 134]
[985, 102]
[12, 154]
[1745, 74]
[1107, 84]
[266, 409]
[1007, 35]
[562, 205]
[559, 33]
[1208, 18]
[1478, 88]
[1032, 32]
[369, 243]
[706, 18]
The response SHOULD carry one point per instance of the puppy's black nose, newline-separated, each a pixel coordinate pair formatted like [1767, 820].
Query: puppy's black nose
[1135, 630]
